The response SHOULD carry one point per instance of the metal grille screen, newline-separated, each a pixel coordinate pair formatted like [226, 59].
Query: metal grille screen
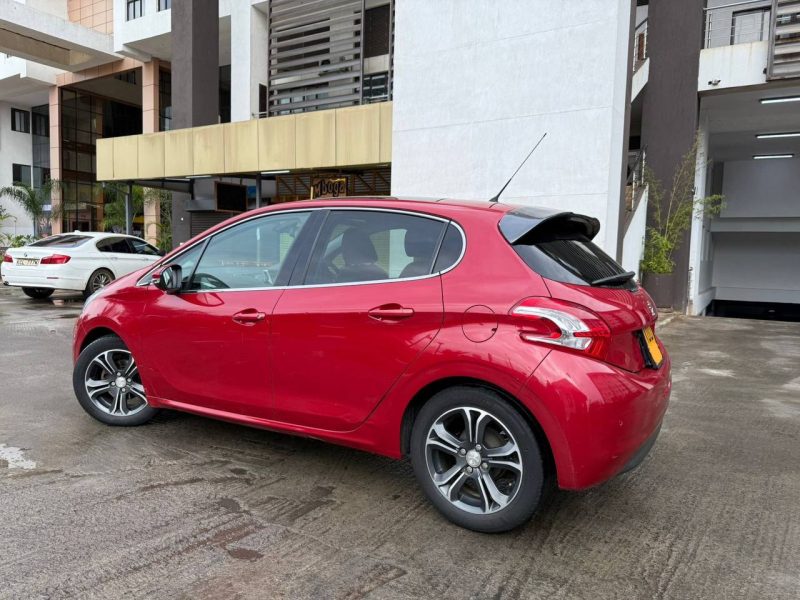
[315, 59]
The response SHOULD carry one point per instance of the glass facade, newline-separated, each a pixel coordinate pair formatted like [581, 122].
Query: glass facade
[85, 117]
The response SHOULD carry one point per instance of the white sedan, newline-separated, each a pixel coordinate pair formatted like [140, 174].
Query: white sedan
[79, 261]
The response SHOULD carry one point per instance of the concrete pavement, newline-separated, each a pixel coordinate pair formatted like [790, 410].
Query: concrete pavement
[188, 507]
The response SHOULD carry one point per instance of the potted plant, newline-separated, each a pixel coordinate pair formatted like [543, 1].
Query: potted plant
[671, 217]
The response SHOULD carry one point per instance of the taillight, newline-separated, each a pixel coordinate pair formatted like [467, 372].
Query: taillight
[560, 323]
[55, 259]
[7, 258]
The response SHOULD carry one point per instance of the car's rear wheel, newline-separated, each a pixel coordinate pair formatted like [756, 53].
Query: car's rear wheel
[108, 386]
[37, 293]
[477, 459]
[98, 280]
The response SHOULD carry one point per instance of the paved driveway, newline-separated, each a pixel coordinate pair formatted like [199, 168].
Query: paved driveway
[187, 507]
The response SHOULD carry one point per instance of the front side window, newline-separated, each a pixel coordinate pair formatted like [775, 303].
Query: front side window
[142, 247]
[357, 246]
[249, 255]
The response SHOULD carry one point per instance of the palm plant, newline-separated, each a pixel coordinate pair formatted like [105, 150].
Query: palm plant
[114, 210]
[34, 201]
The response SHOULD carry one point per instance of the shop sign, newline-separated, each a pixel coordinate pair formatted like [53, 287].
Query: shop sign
[328, 187]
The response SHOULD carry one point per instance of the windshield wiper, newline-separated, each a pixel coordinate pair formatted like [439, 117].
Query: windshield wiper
[619, 278]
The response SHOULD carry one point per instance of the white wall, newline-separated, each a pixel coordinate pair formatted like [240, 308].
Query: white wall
[15, 147]
[249, 59]
[734, 66]
[476, 84]
[633, 242]
[762, 188]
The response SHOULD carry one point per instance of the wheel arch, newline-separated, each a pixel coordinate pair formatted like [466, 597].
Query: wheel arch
[434, 387]
[97, 333]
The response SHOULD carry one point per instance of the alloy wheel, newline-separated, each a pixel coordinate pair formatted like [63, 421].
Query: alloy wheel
[100, 280]
[473, 460]
[113, 384]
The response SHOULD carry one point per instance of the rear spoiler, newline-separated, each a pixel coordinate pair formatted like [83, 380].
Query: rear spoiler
[530, 223]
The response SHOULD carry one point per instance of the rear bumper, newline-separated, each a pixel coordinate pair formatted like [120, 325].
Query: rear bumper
[49, 278]
[599, 420]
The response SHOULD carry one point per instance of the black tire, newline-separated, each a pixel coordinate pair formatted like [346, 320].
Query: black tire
[113, 350]
[37, 293]
[525, 494]
[97, 280]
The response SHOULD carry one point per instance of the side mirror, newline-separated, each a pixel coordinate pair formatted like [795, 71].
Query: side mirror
[170, 279]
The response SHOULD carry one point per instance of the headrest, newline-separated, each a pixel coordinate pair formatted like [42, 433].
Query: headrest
[419, 245]
[357, 248]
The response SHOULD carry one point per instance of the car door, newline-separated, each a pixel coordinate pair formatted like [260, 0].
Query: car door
[366, 306]
[119, 255]
[142, 253]
[207, 346]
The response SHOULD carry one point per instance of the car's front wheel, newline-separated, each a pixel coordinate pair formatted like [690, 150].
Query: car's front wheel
[477, 459]
[108, 386]
[37, 293]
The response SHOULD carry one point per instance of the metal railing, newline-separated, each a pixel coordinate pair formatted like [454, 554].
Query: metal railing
[737, 23]
[639, 45]
[635, 183]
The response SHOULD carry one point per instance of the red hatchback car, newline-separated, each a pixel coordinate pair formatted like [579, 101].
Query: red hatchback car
[496, 346]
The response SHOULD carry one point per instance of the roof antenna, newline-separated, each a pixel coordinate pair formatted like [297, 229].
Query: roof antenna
[503, 189]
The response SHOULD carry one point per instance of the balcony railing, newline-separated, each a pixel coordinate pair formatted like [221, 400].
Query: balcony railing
[737, 23]
[639, 45]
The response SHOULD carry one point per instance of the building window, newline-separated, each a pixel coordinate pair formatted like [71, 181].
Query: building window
[41, 124]
[127, 76]
[20, 120]
[376, 87]
[164, 100]
[376, 31]
[21, 174]
[134, 9]
[164, 4]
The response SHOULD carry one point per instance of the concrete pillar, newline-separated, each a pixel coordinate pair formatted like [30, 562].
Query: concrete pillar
[249, 59]
[195, 81]
[55, 155]
[150, 96]
[698, 294]
[669, 120]
[195, 63]
[150, 122]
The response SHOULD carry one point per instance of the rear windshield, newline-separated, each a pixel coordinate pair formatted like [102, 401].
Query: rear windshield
[62, 241]
[560, 250]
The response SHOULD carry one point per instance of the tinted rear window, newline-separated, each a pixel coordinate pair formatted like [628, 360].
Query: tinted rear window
[558, 249]
[62, 241]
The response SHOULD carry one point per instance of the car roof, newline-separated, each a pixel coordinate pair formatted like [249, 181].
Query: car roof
[96, 234]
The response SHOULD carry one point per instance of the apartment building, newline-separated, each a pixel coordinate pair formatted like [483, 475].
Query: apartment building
[232, 104]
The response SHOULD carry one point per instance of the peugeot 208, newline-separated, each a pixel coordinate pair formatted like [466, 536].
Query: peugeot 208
[497, 347]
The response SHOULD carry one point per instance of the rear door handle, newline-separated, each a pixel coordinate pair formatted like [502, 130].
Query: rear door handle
[391, 312]
[249, 316]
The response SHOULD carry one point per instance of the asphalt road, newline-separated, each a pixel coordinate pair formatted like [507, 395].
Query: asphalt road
[187, 507]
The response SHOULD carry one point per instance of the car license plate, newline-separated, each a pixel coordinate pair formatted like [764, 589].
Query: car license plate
[652, 346]
[27, 262]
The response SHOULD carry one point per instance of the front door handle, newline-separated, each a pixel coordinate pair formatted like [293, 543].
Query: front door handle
[249, 316]
[391, 312]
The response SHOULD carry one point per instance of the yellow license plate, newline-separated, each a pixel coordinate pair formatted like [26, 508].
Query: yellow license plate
[652, 346]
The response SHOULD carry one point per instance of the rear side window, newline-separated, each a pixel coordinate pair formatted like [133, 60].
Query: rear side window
[62, 241]
[450, 252]
[119, 245]
[358, 246]
[558, 249]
